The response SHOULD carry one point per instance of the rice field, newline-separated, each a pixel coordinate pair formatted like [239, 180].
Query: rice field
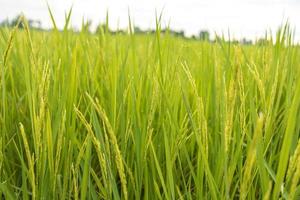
[147, 116]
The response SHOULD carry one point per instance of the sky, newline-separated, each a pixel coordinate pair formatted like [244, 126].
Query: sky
[241, 18]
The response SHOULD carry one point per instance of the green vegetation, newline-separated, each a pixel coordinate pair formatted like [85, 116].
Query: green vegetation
[147, 116]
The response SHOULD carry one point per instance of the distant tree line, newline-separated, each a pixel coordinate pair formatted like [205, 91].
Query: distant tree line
[203, 35]
[14, 22]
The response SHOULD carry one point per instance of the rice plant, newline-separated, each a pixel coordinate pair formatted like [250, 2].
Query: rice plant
[152, 116]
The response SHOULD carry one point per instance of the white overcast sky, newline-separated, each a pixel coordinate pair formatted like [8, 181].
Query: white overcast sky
[243, 18]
